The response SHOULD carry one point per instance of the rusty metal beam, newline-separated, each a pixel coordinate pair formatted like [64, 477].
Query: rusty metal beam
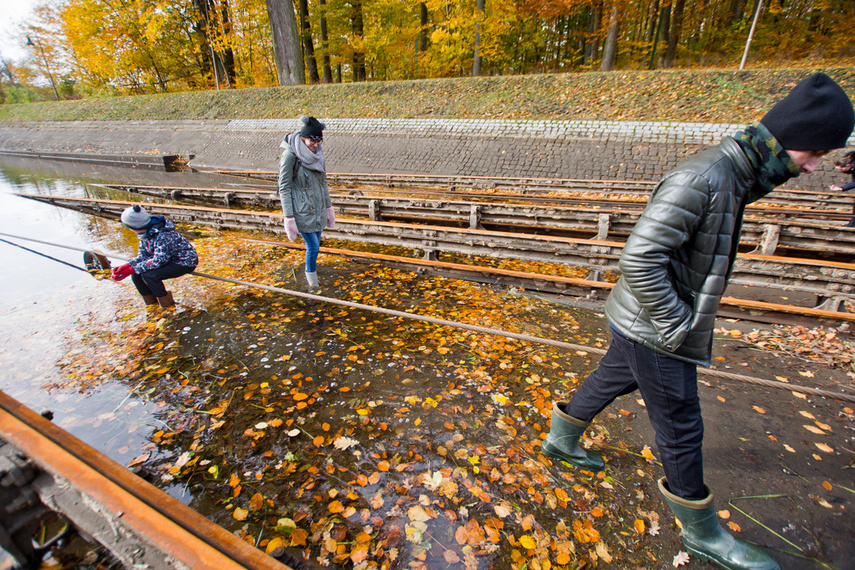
[138, 522]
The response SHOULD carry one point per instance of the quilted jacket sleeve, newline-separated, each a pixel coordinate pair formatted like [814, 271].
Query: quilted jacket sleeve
[670, 220]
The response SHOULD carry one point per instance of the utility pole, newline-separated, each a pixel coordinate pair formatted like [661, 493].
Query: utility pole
[50, 75]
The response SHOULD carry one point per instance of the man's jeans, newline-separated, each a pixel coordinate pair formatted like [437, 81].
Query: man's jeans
[670, 391]
[151, 282]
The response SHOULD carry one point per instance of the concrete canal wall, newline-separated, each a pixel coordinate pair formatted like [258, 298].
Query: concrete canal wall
[601, 150]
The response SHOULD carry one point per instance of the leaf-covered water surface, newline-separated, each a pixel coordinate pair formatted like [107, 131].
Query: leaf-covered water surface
[352, 438]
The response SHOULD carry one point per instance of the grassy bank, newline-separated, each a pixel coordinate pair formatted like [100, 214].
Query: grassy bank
[682, 95]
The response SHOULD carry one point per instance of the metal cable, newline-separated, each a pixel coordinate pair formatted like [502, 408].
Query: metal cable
[479, 329]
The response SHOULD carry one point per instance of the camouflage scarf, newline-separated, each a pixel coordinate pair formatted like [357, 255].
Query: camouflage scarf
[768, 159]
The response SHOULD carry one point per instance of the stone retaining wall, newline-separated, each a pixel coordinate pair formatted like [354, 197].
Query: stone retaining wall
[602, 150]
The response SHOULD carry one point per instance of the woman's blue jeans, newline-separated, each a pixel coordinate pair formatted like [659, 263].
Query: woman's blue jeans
[313, 245]
[670, 391]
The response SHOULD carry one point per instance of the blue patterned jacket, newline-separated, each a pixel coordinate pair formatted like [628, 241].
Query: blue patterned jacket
[160, 245]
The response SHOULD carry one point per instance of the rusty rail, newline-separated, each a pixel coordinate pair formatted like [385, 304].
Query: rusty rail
[136, 521]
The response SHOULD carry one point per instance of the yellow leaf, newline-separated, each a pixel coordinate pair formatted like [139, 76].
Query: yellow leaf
[824, 447]
[808, 415]
[603, 552]
[273, 545]
[418, 421]
[788, 448]
[240, 514]
[528, 542]
[647, 454]
[806, 373]
[758, 409]
[813, 429]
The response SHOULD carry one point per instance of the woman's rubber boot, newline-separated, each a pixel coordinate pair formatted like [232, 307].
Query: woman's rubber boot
[166, 301]
[704, 537]
[562, 443]
[149, 299]
[312, 278]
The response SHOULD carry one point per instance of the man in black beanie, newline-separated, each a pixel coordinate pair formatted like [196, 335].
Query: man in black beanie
[674, 270]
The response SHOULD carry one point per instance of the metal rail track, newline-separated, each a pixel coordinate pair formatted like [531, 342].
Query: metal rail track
[769, 231]
[821, 285]
[625, 189]
[140, 524]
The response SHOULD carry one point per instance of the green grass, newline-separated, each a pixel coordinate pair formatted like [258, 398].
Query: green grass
[681, 95]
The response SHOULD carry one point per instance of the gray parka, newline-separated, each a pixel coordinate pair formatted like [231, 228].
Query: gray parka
[677, 261]
[304, 193]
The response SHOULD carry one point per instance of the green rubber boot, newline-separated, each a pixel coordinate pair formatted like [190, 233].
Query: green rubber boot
[562, 443]
[704, 537]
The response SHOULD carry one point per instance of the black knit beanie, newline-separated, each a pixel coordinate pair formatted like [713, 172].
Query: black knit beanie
[312, 129]
[816, 115]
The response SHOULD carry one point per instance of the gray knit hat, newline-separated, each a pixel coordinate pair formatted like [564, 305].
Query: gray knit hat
[136, 218]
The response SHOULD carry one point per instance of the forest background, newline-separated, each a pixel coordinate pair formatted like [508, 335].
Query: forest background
[105, 48]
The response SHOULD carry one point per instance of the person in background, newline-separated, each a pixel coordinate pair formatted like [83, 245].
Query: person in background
[163, 254]
[303, 190]
[674, 269]
[846, 165]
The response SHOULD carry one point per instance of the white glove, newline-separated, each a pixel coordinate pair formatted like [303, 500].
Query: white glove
[291, 228]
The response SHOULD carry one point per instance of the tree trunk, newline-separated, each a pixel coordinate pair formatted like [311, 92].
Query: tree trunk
[286, 42]
[325, 43]
[653, 20]
[201, 30]
[676, 31]
[479, 16]
[308, 45]
[664, 25]
[610, 49]
[358, 61]
[228, 53]
[423, 27]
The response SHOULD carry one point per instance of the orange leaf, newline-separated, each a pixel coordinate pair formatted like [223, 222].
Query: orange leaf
[336, 507]
[639, 526]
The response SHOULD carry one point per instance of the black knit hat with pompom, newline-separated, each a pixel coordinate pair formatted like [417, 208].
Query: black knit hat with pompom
[312, 129]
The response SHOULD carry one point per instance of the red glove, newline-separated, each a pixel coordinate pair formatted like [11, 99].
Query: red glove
[122, 271]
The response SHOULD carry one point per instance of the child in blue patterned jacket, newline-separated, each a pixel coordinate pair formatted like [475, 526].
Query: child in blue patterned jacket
[163, 254]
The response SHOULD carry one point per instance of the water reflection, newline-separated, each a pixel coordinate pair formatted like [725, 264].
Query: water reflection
[47, 298]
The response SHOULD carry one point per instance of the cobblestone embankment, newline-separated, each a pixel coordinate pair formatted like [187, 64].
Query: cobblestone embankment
[601, 150]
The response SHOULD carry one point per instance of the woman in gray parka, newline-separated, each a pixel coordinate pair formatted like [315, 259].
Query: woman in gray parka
[303, 190]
